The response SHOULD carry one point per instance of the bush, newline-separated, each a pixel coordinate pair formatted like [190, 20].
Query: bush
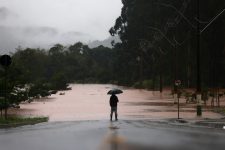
[138, 85]
[147, 84]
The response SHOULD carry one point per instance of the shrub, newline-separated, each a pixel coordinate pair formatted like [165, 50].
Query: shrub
[147, 84]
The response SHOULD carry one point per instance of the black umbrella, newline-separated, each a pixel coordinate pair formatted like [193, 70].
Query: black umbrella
[115, 91]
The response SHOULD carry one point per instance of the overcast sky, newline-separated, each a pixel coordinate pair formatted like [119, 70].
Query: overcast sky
[43, 23]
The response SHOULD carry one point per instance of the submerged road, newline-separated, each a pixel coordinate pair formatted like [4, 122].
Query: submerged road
[106, 135]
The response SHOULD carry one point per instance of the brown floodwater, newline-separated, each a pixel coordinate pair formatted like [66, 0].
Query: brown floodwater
[91, 102]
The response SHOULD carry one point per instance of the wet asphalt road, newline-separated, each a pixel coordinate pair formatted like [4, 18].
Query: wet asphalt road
[105, 135]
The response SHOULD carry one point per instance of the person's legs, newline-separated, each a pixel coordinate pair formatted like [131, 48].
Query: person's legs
[116, 113]
[111, 114]
[113, 109]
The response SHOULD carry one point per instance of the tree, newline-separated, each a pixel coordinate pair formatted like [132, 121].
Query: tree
[154, 31]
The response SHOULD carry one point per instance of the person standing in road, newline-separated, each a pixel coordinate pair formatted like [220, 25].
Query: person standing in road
[113, 103]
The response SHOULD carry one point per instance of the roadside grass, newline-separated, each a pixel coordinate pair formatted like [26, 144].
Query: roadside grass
[15, 121]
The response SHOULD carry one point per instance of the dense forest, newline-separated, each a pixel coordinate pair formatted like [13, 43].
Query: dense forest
[38, 72]
[159, 45]
[160, 40]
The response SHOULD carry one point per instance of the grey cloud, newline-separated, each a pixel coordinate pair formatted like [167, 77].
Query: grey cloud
[33, 23]
[7, 41]
[106, 42]
[74, 36]
[4, 13]
[43, 37]
[12, 37]
[74, 33]
[38, 31]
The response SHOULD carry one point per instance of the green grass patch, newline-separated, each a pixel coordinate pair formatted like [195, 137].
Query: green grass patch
[20, 121]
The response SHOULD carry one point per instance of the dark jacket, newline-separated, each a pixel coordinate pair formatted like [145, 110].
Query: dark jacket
[113, 101]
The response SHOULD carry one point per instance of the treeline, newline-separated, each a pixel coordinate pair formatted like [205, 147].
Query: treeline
[159, 41]
[61, 65]
[38, 72]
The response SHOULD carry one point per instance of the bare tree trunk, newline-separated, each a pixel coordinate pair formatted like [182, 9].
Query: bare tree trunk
[160, 82]
[6, 114]
[212, 102]
[188, 65]
[218, 102]
[217, 95]
[153, 82]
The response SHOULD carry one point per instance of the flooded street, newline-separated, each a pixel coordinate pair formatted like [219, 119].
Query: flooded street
[136, 129]
[91, 102]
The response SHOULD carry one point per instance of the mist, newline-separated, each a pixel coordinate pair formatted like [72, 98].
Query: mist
[43, 23]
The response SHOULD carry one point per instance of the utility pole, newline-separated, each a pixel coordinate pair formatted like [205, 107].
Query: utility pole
[198, 92]
[175, 75]
[198, 48]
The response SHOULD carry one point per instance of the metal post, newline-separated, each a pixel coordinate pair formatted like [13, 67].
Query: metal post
[175, 68]
[177, 84]
[175, 74]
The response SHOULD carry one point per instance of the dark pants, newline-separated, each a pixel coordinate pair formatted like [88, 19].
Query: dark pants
[113, 109]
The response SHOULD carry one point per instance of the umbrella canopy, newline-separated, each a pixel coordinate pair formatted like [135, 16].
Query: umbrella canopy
[115, 91]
